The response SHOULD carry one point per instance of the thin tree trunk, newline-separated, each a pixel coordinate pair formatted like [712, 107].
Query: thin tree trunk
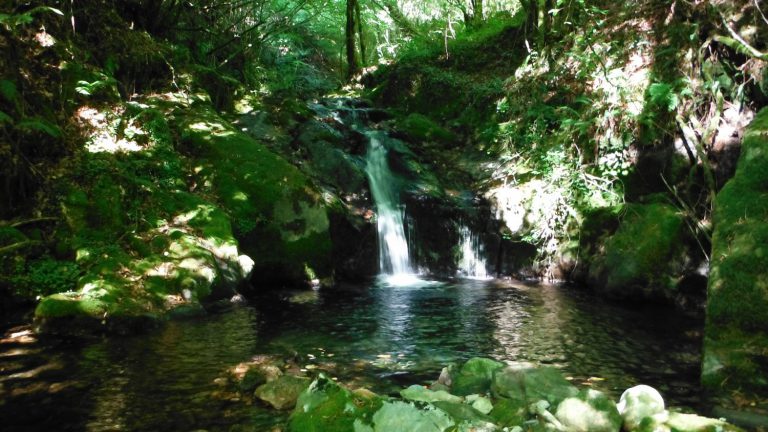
[353, 65]
[360, 33]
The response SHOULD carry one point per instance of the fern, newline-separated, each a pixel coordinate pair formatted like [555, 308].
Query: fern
[5, 118]
[663, 94]
[40, 125]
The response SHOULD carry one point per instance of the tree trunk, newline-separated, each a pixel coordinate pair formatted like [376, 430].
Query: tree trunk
[360, 37]
[353, 65]
[477, 12]
[405, 25]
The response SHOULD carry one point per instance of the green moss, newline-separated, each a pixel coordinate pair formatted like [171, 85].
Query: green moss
[278, 216]
[737, 308]
[638, 260]
[61, 305]
[422, 128]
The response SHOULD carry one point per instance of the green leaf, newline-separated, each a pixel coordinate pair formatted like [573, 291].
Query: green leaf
[40, 125]
[8, 90]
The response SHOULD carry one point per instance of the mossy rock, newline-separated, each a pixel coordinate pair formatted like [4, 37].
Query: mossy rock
[589, 411]
[279, 218]
[737, 309]
[421, 128]
[326, 406]
[525, 386]
[148, 247]
[644, 257]
[475, 376]
[282, 392]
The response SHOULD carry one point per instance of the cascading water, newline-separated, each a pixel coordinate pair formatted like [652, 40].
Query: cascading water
[471, 265]
[394, 259]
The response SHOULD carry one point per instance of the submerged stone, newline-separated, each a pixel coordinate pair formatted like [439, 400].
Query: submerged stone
[282, 392]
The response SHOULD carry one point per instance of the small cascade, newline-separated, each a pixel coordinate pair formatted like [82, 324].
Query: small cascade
[471, 264]
[394, 259]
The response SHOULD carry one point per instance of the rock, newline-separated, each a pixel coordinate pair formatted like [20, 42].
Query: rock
[679, 422]
[402, 416]
[283, 392]
[641, 406]
[419, 393]
[589, 411]
[465, 416]
[326, 406]
[509, 412]
[527, 386]
[645, 257]
[735, 358]
[480, 403]
[475, 376]
[279, 217]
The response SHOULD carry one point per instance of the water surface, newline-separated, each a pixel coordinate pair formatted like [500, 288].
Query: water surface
[378, 336]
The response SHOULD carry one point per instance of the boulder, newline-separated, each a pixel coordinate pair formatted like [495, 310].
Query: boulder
[528, 385]
[641, 406]
[403, 416]
[645, 257]
[282, 392]
[589, 411]
[279, 217]
[735, 340]
[475, 376]
[326, 406]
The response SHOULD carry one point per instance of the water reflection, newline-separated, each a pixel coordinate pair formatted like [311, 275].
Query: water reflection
[380, 336]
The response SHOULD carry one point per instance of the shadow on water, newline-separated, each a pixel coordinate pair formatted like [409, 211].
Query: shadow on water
[379, 336]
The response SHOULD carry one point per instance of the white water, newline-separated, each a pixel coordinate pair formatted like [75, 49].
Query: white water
[394, 259]
[471, 264]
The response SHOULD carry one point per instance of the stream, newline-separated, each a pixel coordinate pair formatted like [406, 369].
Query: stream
[379, 336]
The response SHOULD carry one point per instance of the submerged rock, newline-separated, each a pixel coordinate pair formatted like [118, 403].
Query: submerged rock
[282, 393]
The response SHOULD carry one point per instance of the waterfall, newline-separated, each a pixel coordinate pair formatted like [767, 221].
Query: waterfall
[394, 259]
[471, 264]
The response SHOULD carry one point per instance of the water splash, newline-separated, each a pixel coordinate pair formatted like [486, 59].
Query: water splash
[471, 264]
[394, 258]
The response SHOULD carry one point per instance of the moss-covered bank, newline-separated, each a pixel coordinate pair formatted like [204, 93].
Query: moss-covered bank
[735, 359]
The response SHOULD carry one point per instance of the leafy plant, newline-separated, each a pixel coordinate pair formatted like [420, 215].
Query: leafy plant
[44, 277]
[11, 21]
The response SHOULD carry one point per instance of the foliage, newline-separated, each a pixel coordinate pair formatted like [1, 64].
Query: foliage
[44, 277]
[11, 21]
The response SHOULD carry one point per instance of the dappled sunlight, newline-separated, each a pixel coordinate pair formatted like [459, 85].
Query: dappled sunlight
[102, 136]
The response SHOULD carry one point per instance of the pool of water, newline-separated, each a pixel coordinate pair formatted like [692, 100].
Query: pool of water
[379, 336]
